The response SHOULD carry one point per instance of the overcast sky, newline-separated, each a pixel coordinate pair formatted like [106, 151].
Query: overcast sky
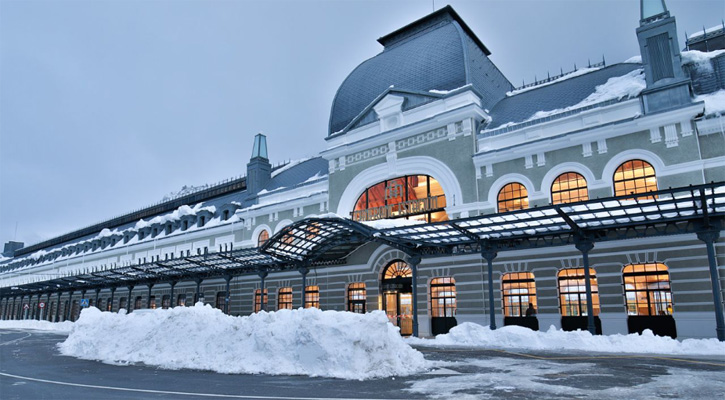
[106, 106]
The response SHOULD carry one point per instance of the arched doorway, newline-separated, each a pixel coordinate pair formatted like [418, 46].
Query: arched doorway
[397, 288]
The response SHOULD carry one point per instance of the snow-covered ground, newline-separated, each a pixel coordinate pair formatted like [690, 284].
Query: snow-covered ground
[60, 327]
[287, 342]
[518, 338]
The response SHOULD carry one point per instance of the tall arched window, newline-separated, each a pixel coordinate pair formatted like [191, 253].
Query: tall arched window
[418, 197]
[262, 238]
[284, 298]
[635, 177]
[647, 289]
[513, 196]
[518, 291]
[572, 292]
[356, 297]
[259, 300]
[312, 297]
[569, 187]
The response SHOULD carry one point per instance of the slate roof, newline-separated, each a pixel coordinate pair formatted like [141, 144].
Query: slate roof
[522, 106]
[437, 52]
[299, 174]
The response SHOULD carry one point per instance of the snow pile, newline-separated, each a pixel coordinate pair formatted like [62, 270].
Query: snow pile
[619, 87]
[287, 342]
[714, 102]
[700, 59]
[185, 190]
[517, 337]
[60, 327]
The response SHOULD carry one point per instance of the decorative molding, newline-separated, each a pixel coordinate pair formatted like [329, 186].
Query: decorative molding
[529, 161]
[654, 135]
[602, 146]
[671, 139]
[587, 149]
[541, 159]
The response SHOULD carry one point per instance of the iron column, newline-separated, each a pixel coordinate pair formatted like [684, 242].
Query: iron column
[489, 254]
[709, 237]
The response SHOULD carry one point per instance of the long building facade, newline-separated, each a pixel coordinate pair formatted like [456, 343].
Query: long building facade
[430, 136]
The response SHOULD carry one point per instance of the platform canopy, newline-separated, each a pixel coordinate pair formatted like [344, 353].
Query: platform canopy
[318, 242]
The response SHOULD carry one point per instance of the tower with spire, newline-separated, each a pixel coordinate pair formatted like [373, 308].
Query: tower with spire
[259, 170]
[667, 85]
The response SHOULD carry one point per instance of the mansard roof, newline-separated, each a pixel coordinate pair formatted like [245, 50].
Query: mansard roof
[437, 52]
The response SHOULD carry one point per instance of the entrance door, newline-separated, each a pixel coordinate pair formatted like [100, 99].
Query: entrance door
[399, 308]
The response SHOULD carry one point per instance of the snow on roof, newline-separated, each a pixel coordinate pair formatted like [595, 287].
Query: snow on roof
[288, 166]
[392, 223]
[706, 31]
[574, 74]
[700, 59]
[714, 102]
[626, 86]
[633, 60]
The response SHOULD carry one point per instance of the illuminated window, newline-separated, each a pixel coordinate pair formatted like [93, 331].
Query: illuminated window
[443, 297]
[181, 300]
[635, 177]
[569, 187]
[109, 304]
[356, 296]
[165, 301]
[398, 269]
[284, 298]
[513, 196]
[312, 297]
[572, 292]
[152, 302]
[518, 291]
[647, 289]
[418, 197]
[262, 238]
[258, 300]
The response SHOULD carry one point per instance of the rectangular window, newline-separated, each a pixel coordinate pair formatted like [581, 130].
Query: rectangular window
[519, 290]
[572, 292]
[284, 298]
[443, 297]
[356, 297]
[312, 297]
[259, 300]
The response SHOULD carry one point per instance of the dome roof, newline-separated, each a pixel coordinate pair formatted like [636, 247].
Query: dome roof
[437, 52]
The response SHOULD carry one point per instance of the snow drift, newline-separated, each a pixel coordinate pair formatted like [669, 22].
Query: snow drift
[516, 337]
[60, 327]
[287, 342]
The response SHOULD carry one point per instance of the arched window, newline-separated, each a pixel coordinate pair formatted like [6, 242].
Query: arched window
[398, 269]
[262, 238]
[418, 197]
[284, 298]
[572, 292]
[635, 177]
[258, 300]
[312, 297]
[647, 289]
[518, 291]
[513, 196]
[443, 297]
[356, 297]
[569, 187]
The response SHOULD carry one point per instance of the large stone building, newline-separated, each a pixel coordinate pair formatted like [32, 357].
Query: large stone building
[568, 202]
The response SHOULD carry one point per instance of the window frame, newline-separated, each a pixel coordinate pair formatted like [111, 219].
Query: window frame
[647, 188]
[524, 199]
[668, 310]
[449, 298]
[530, 283]
[581, 295]
[312, 296]
[282, 294]
[357, 304]
[264, 299]
[579, 177]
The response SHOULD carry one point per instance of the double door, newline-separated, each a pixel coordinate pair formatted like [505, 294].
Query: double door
[399, 308]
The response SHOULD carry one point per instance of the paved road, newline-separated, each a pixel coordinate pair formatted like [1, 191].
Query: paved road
[31, 368]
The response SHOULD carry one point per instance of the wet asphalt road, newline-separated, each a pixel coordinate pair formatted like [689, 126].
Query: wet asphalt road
[32, 368]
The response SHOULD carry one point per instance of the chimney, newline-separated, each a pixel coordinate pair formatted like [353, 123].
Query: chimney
[667, 85]
[259, 170]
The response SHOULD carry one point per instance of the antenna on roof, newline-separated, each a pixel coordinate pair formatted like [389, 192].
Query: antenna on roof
[604, 62]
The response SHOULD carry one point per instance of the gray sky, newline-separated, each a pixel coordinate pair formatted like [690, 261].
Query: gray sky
[106, 106]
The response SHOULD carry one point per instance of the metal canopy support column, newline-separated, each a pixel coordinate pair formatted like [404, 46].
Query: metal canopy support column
[148, 298]
[413, 261]
[489, 254]
[83, 296]
[129, 308]
[47, 308]
[14, 310]
[227, 279]
[57, 308]
[95, 302]
[197, 294]
[262, 304]
[171, 295]
[585, 246]
[69, 309]
[304, 271]
[709, 237]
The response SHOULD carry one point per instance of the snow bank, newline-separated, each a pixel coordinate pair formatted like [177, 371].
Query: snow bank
[60, 327]
[516, 337]
[714, 102]
[287, 342]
